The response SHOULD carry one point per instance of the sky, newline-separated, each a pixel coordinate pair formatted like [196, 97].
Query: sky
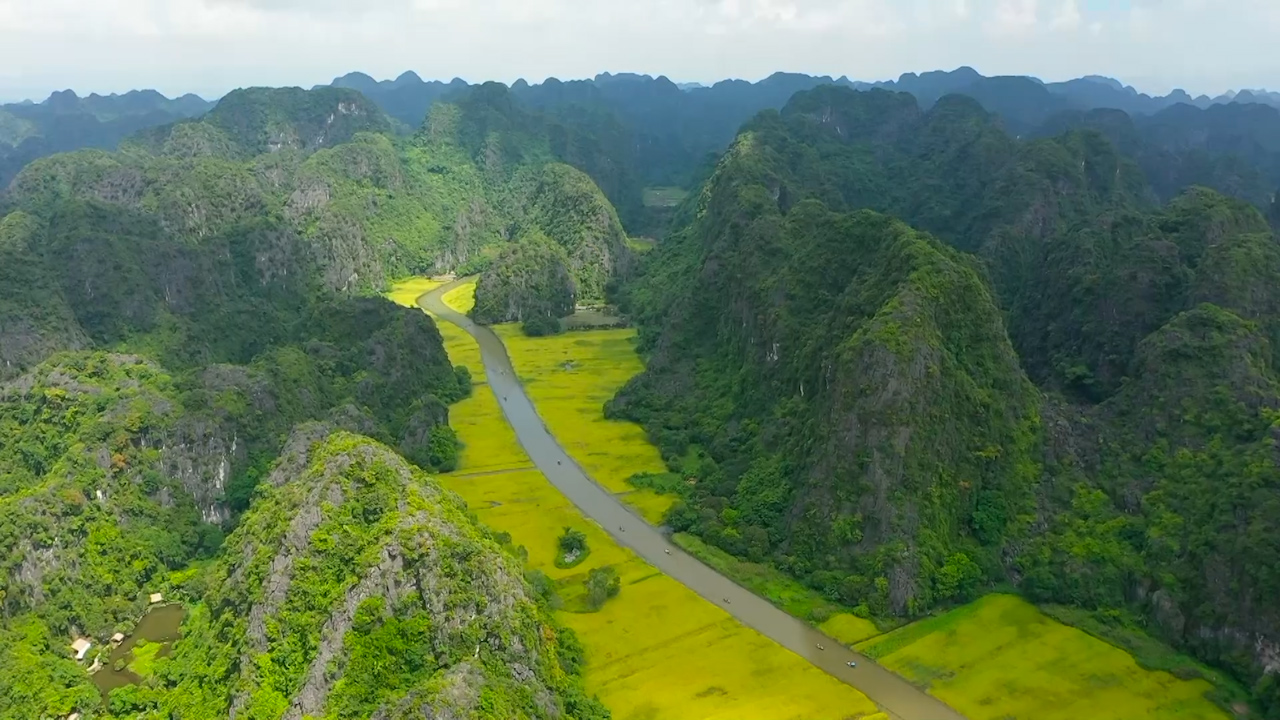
[212, 46]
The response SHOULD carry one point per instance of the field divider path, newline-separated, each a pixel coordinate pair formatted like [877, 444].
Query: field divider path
[895, 695]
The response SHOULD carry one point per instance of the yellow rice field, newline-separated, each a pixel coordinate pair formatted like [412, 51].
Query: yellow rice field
[660, 651]
[570, 377]
[1000, 657]
[657, 651]
[461, 298]
[406, 292]
[849, 628]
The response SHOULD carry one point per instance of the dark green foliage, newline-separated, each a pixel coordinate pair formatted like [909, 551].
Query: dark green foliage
[541, 326]
[572, 541]
[569, 208]
[529, 280]
[442, 451]
[573, 248]
[602, 583]
[462, 375]
[838, 397]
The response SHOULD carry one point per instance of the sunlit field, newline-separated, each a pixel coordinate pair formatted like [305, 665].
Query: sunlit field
[569, 377]
[406, 292]
[461, 298]
[657, 650]
[1000, 657]
[849, 628]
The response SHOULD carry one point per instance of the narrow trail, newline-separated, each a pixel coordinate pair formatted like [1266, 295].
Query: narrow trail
[896, 697]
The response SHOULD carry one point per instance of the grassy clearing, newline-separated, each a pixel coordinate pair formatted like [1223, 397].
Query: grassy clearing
[641, 244]
[657, 650]
[406, 292]
[664, 196]
[849, 628]
[590, 319]
[461, 298]
[569, 378]
[143, 658]
[1000, 657]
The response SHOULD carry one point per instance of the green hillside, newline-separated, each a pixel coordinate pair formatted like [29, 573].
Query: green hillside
[853, 402]
[170, 316]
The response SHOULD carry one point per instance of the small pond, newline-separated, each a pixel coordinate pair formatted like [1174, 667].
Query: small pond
[161, 625]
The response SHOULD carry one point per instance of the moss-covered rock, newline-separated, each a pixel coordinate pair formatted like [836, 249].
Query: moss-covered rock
[357, 587]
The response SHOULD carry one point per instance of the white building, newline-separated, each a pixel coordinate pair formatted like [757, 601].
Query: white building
[81, 646]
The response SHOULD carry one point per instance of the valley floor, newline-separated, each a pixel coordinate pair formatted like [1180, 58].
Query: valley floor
[657, 650]
[660, 651]
[1000, 657]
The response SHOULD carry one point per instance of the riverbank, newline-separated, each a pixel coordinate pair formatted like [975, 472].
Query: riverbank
[1141, 688]
[657, 649]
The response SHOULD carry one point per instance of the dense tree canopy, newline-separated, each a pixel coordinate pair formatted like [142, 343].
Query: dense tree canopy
[853, 401]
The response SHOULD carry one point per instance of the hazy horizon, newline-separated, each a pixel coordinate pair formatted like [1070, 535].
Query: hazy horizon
[209, 47]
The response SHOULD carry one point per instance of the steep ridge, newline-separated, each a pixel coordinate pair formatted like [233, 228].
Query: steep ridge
[1234, 149]
[357, 587]
[317, 169]
[662, 133]
[843, 398]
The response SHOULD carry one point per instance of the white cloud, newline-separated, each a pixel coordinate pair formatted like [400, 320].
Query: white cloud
[1013, 18]
[211, 46]
[1068, 16]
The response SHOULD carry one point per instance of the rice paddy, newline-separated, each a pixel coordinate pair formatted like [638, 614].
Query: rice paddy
[660, 651]
[462, 298]
[406, 292]
[569, 377]
[1000, 657]
[657, 650]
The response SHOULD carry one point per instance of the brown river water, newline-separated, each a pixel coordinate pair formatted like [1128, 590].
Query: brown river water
[895, 696]
[159, 625]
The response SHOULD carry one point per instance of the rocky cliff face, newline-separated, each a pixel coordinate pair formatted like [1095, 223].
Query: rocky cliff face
[356, 586]
[842, 397]
[88, 499]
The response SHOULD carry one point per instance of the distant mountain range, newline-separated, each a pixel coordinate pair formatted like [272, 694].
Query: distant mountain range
[673, 126]
[1086, 93]
[65, 121]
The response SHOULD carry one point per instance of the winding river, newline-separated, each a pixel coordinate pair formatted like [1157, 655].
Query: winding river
[898, 698]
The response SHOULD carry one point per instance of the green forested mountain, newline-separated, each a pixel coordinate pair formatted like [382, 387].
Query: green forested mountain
[661, 133]
[357, 587]
[169, 315]
[528, 281]
[65, 122]
[365, 206]
[894, 350]
[1234, 149]
[1072, 388]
